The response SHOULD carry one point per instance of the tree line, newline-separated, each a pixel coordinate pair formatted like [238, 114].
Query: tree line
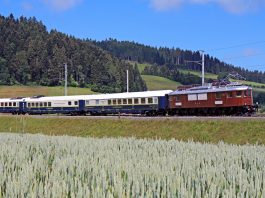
[29, 54]
[174, 58]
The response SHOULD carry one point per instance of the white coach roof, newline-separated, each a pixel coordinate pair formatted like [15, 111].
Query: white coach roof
[104, 96]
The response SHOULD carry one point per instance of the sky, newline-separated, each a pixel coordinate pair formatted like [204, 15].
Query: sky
[231, 30]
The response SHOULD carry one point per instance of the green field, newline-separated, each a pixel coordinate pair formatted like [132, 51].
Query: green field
[15, 91]
[159, 83]
[228, 130]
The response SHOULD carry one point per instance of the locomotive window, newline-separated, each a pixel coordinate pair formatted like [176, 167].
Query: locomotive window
[124, 101]
[14, 104]
[150, 100]
[45, 104]
[136, 101]
[142, 100]
[239, 94]
[130, 101]
[114, 101]
[177, 98]
[230, 94]
[119, 101]
[247, 93]
[49, 104]
[218, 95]
[109, 102]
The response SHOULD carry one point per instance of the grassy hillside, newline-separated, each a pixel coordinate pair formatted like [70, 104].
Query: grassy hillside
[15, 91]
[230, 130]
[159, 83]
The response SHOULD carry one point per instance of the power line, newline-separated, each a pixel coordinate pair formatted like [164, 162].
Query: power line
[235, 46]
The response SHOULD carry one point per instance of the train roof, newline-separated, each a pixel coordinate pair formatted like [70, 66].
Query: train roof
[105, 96]
[211, 89]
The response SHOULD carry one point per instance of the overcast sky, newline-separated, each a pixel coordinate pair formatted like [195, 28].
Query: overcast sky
[231, 30]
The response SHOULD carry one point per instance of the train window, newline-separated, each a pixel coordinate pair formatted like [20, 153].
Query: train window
[218, 95]
[150, 100]
[136, 101]
[130, 101]
[239, 94]
[109, 102]
[124, 101]
[69, 103]
[10, 104]
[155, 101]
[97, 102]
[114, 101]
[119, 101]
[2, 104]
[87, 102]
[14, 104]
[177, 98]
[32, 104]
[5, 104]
[142, 100]
[41, 104]
[76, 103]
[37, 104]
[247, 93]
[29, 104]
[230, 94]
[49, 104]
[45, 104]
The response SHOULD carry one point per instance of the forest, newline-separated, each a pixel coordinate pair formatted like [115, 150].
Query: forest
[30, 55]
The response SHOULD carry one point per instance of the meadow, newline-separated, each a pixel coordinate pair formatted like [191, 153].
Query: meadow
[228, 130]
[43, 166]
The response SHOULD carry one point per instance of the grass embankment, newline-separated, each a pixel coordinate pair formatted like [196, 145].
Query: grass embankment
[15, 91]
[159, 83]
[230, 131]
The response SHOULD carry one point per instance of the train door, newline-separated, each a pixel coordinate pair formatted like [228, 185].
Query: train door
[22, 107]
[82, 105]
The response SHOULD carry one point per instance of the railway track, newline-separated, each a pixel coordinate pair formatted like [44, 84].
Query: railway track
[136, 117]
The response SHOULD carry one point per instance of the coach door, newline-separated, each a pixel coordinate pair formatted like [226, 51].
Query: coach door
[22, 106]
[82, 105]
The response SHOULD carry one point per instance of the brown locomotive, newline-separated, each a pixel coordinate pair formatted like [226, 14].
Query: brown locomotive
[231, 99]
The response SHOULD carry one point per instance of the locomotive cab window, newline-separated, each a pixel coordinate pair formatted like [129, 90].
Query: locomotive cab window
[239, 94]
[247, 93]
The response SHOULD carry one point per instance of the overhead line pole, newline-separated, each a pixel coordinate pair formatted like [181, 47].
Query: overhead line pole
[127, 81]
[65, 79]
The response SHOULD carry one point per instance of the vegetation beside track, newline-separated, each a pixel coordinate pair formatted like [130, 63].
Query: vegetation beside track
[232, 131]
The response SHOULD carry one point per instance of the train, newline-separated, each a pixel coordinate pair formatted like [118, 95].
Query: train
[207, 100]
